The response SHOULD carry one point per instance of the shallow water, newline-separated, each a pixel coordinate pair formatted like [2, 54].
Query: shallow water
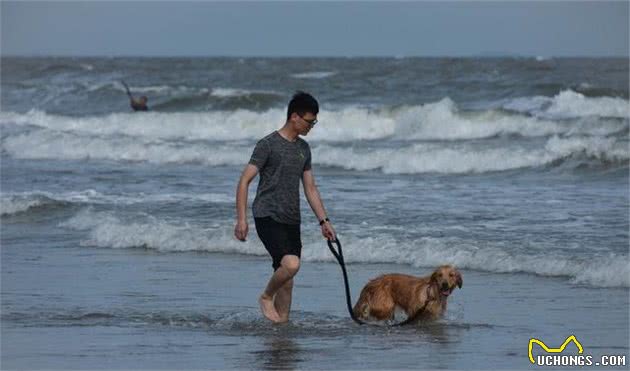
[95, 308]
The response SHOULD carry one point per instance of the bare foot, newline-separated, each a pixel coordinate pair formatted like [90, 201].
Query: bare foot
[267, 308]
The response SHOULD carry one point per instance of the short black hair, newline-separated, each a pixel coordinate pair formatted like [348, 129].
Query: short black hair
[301, 103]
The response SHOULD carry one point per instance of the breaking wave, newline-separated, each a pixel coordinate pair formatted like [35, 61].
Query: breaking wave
[433, 137]
[441, 120]
[15, 203]
[407, 158]
[570, 104]
[108, 230]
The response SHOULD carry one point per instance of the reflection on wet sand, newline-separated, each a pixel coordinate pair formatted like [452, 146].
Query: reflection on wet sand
[279, 352]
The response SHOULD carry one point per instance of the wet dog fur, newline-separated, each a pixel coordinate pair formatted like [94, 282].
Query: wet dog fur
[421, 298]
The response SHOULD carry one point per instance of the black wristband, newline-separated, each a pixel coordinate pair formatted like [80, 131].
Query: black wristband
[321, 222]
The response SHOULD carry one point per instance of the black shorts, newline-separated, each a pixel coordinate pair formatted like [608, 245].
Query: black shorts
[279, 239]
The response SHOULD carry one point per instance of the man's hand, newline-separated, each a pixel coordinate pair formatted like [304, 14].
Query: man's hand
[329, 232]
[240, 230]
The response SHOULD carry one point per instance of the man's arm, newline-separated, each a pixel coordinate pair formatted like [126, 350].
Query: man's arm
[127, 89]
[241, 228]
[312, 195]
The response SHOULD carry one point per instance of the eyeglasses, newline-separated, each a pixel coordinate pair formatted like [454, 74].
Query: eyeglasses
[312, 122]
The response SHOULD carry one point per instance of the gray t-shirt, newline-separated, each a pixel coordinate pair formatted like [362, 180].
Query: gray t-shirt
[281, 164]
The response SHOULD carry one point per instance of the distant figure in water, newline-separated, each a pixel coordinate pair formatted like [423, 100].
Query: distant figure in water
[139, 104]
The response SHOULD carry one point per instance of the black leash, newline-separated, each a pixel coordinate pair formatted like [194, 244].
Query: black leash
[339, 256]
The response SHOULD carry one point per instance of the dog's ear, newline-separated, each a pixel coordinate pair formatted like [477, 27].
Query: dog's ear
[460, 280]
[434, 276]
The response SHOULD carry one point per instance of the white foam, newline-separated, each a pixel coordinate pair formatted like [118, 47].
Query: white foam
[151, 89]
[169, 90]
[424, 158]
[44, 144]
[230, 93]
[603, 271]
[113, 231]
[160, 89]
[97, 86]
[151, 126]
[440, 120]
[224, 138]
[108, 230]
[12, 203]
[314, 75]
[348, 124]
[408, 158]
[569, 104]
[594, 147]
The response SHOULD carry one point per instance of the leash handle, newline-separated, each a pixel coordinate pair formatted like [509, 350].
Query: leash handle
[339, 256]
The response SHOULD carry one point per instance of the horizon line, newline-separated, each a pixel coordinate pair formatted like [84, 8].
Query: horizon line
[397, 56]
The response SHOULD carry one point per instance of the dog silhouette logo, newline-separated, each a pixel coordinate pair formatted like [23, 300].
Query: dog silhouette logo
[571, 338]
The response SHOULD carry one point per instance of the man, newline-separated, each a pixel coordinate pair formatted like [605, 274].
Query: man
[139, 104]
[282, 158]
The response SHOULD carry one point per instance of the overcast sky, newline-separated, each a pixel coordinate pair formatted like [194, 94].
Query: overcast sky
[315, 28]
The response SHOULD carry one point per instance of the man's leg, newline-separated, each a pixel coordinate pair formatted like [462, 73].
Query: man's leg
[282, 301]
[289, 267]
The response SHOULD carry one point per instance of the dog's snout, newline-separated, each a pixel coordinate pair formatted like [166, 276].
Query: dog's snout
[445, 286]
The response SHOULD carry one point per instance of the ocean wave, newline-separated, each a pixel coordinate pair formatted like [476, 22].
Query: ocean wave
[108, 230]
[229, 92]
[86, 66]
[64, 67]
[569, 104]
[215, 126]
[441, 120]
[217, 100]
[182, 98]
[437, 158]
[14, 203]
[245, 321]
[149, 126]
[314, 75]
[222, 99]
[116, 317]
[40, 145]
[403, 158]
[161, 90]
[105, 229]
[592, 91]
[599, 271]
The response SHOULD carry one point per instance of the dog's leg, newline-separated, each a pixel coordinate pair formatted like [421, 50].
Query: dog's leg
[361, 309]
[383, 308]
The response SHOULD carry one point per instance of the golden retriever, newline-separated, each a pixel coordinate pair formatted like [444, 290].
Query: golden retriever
[420, 297]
